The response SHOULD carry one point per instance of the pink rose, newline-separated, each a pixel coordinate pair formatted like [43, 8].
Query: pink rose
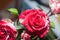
[35, 21]
[25, 36]
[55, 6]
[7, 31]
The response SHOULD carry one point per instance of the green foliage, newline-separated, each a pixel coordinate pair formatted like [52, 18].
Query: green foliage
[18, 25]
[19, 29]
[52, 25]
[13, 11]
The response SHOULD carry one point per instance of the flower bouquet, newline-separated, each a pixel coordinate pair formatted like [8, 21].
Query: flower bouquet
[30, 24]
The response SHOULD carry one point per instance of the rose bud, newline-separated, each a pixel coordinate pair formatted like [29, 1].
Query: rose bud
[7, 30]
[25, 36]
[35, 21]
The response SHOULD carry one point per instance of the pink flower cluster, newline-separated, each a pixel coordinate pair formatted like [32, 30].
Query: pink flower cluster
[35, 21]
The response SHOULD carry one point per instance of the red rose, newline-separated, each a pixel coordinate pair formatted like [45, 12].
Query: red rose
[35, 21]
[25, 36]
[55, 6]
[7, 31]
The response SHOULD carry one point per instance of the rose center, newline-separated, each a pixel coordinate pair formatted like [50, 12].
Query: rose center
[39, 22]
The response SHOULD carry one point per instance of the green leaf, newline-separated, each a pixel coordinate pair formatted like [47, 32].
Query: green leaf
[13, 11]
[52, 25]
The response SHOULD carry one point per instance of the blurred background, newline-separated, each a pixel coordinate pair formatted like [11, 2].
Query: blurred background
[29, 4]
